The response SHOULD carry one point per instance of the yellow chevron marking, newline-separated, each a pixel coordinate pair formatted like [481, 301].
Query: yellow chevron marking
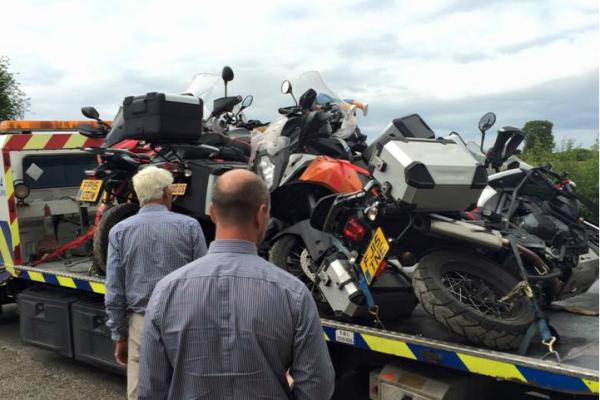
[76, 140]
[497, 369]
[5, 252]
[326, 337]
[98, 287]
[11, 270]
[388, 346]
[14, 233]
[36, 276]
[592, 385]
[66, 282]
[8, 182]
[37, 142]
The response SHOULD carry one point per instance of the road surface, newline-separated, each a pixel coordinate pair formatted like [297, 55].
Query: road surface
[30, 373]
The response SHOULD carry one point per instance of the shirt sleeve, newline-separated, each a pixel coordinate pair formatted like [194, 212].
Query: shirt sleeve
[115, 299]
[312, 371]
[155, 369]
[198, 241]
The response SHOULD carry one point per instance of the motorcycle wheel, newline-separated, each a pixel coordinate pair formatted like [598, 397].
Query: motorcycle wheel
[462, 291]
[110, 218]
[290, 254]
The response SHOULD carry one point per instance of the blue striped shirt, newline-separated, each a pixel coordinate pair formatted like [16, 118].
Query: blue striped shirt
[228, 326]
[142, 250]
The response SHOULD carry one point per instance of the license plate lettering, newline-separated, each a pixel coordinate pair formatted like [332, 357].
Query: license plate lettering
[178, 189]
[374, 255]
[89, 190]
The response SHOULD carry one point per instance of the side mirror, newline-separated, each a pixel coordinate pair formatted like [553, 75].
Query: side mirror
[485, 123]
[286, 87]
[227, 74]
[90, 112]
[247, 102]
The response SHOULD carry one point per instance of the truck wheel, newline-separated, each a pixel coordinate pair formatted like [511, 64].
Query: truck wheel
[111, 217]
[290, 254]
[462, 291]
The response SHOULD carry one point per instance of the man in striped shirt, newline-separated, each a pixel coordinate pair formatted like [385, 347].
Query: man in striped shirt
[229, 325]
[142, 250]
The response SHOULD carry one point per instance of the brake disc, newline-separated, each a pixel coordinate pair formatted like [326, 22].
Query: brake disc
[307, 265]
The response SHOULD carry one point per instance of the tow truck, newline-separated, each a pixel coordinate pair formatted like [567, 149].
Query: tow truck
[61, 300]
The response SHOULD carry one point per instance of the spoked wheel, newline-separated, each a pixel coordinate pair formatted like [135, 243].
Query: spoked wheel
[463, 291]
[477, 293]
[290, 253]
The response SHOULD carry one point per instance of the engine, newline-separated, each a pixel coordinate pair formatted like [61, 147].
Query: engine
[559, 232]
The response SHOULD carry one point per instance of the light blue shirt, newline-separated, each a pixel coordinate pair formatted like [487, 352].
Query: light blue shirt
[142, 250]
[228, 326]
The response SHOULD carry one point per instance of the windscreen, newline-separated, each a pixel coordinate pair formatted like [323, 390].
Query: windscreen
[117, 130]
[326, 96]
[206, 86]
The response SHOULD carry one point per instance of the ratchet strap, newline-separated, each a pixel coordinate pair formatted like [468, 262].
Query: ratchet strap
[539, 323]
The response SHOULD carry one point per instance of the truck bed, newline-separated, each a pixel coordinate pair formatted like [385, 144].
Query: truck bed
[421, 338]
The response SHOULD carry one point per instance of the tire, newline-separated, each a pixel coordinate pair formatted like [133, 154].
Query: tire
[437, 273]
[111, 217]
[283, 253]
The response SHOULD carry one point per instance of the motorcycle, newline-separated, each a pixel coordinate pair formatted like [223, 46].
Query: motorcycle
[194, 156]
[303, 155]
[539, 209]
[397, 221]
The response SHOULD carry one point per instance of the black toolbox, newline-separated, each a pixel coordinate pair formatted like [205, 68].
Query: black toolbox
[45, 319]
[91, 337]
[163, 118]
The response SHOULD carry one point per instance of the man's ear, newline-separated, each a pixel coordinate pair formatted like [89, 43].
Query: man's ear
[262, 214]
[212, 213]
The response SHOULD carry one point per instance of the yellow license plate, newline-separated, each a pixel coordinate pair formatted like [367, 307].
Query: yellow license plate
[178, 189]
[375, 254]
[89, 190]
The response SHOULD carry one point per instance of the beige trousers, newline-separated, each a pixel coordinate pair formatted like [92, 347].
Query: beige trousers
[136, 330]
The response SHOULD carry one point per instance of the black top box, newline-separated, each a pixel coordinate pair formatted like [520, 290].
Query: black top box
[163, 118]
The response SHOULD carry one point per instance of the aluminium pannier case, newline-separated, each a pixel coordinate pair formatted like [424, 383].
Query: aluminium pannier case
[160, 117]
[424, 172]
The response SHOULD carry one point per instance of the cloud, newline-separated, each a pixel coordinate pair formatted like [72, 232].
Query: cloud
[448, 60]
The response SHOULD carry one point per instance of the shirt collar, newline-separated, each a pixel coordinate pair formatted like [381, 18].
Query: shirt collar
[153, 208]
[232, 246]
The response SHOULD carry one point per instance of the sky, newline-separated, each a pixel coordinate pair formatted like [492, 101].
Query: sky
[449, 61]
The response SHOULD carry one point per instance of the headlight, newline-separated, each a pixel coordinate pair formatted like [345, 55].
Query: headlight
[266, 170]
[21, 190]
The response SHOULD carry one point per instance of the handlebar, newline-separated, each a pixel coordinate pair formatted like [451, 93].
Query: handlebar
[290, 110]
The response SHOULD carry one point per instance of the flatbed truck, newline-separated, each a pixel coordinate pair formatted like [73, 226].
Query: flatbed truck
[61, 308]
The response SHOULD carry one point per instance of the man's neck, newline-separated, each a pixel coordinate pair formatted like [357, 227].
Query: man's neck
[154, 203]
[235, 234]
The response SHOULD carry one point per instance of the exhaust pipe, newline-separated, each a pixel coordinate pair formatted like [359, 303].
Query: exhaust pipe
[468, 232]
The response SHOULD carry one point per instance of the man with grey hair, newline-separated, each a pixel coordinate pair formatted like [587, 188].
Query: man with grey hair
[229, 325]
[142, 250]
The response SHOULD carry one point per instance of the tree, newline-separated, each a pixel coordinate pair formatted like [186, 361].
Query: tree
[539, 137]
[13, 101]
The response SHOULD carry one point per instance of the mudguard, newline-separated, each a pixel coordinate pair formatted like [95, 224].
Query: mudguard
[317, 242]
